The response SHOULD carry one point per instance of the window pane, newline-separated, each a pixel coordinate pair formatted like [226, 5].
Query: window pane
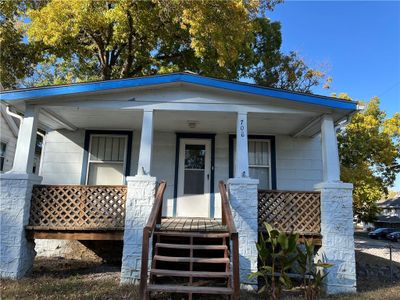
[252, 153]
[262, 174]
[108, 148]
[115, 149]
[258, 153]
[194, 182]
[195, 156]
[94, 148]
[101, 151]
[3, 149]
[105, 173]
[121, 152]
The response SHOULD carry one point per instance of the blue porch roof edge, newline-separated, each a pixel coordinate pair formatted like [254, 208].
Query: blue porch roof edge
[24, 94]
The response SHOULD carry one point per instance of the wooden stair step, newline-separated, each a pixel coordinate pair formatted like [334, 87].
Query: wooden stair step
[189, 289]
[200, 274]
[193, 234]
[194, 247]
[192, 259]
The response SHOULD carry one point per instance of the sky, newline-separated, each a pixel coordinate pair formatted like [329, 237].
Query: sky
[356, 42]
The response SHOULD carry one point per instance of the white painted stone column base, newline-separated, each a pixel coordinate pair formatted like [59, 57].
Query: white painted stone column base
[139, 202]
[337, 236]
[16, 252]
[243, 198]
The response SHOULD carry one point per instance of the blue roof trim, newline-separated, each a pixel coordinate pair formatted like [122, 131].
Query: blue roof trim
[176, 77]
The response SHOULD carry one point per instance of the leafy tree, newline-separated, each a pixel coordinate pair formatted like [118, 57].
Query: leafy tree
[115, 39]
[17, 58]
[369, 151]
[286, 71]
[130, 38]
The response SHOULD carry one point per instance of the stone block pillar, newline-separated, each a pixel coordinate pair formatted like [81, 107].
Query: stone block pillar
[16, 252]
[139, 202]
[243, 198]
[337, 236]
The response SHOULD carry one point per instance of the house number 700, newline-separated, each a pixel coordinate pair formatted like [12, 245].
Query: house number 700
[241, 128]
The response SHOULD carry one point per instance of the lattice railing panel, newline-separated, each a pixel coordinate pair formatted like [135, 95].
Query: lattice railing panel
[78, 206]
[290, 211]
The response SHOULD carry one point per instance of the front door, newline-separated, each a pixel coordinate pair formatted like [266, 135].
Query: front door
[194, 178]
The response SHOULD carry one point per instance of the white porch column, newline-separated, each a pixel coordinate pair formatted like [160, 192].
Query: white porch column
[242, 157]
[243, 198]
[16, 252]
[146, 144]
[336, 217]
[330, 154]
[26, 142]
[139, 202]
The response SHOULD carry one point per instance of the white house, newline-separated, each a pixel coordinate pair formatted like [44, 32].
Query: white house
[112, 141]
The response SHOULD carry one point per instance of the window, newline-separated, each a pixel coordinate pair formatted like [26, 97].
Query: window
[107, 159]
[261, 164]
[3, 148]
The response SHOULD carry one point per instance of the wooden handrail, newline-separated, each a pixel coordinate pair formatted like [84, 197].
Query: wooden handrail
[154, 219]
[157, 207]
[227, 219]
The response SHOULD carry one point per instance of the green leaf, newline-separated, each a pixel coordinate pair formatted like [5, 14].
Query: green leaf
[283, 240]
[324, 265]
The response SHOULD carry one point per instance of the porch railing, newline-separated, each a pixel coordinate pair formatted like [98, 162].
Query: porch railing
[290, 211]
[78, 207]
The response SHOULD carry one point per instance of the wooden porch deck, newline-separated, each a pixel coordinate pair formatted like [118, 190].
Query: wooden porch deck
[192, 224]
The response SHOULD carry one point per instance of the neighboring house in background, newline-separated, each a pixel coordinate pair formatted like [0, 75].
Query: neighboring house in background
[8, 139]
[390, 213]
[108, 143]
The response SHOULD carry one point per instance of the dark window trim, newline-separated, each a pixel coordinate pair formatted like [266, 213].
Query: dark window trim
[88, 133]
[271, 138]
[188, 135]
[3, 158]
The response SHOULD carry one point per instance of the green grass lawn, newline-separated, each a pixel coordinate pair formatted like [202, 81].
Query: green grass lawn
[73, 279]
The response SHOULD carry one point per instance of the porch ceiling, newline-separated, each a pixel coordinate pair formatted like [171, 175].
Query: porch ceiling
[177, 121]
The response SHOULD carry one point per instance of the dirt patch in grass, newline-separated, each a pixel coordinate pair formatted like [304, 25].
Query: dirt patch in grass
[69, 279]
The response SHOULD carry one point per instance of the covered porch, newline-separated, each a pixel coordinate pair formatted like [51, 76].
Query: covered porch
[191, 132]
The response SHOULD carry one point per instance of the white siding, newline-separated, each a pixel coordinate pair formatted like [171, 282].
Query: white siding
[6, 136]
[62, 157]
[163, 166]
[298, 163]
[221, 168]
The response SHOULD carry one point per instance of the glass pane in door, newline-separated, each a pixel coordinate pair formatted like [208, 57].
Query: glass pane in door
[194, 169]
